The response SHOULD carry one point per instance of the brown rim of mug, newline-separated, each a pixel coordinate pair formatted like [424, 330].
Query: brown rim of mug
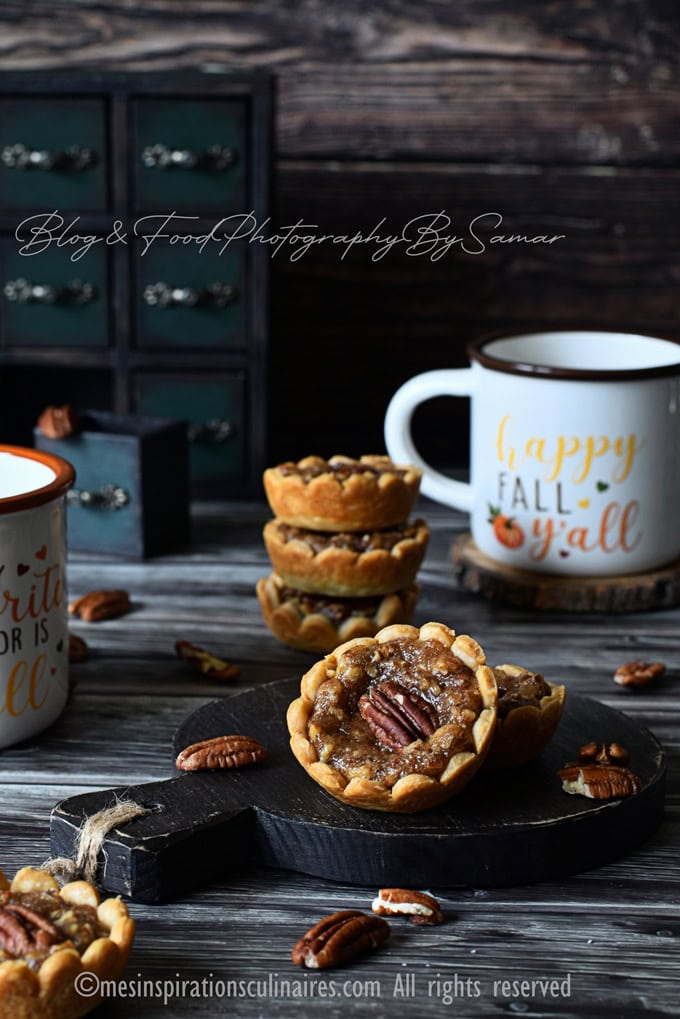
[475, 351]
[65, 476]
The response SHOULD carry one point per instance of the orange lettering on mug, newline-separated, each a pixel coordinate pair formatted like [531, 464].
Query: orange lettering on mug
[544, 530]
[40, 600]
[625, 449]
[17, 698]
[615, 531]
[554, 453]
[591, 450]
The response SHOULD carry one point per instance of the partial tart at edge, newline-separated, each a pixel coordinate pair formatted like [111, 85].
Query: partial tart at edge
[40, 983]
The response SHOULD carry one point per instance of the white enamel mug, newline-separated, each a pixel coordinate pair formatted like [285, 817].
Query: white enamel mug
[33, 609]
[575, 450]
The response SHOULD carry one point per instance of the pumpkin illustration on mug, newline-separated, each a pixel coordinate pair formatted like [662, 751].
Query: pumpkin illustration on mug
[506, 529]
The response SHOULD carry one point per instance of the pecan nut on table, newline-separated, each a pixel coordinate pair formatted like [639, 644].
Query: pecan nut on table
[207, 664]
[634, 674]
[419, 907]
[95, 606]
[600, 773]
[220, 752]
[338, 938]
[78, 650]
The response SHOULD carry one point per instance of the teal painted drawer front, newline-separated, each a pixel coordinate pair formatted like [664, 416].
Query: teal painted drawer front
[189, 154]
[42, 130]
[214, 407]
[47, 300]
[119, 504]
[170, 278]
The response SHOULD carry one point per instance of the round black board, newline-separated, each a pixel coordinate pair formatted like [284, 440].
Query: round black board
[506, 828]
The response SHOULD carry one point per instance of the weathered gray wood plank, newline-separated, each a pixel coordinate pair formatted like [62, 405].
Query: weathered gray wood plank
[615, 929]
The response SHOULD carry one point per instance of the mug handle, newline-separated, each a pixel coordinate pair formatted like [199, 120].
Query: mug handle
[398, 439]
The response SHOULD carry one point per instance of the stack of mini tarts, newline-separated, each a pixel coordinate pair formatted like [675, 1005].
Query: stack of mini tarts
[344, 551]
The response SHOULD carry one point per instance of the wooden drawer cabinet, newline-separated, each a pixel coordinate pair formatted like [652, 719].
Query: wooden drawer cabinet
[214, 407]
[49, 301]
[167, 329]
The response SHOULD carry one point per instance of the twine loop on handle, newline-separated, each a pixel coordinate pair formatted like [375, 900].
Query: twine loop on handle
[89, 841]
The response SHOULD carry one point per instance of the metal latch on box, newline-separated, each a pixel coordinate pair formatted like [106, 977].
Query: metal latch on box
[109, 497]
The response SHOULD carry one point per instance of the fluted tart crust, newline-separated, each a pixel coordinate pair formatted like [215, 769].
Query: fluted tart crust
[316, 622]
[398, 722]
[529, 711]
[347, 563]
[342, 493]
[49, 936]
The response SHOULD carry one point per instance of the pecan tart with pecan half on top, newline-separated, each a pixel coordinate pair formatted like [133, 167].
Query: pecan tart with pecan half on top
[399, 722]
[529, 711]
[342, 494]
[347, 563]
[48, 936]
[316, 622]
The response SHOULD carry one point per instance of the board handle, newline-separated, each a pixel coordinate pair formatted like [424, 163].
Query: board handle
[196, 830]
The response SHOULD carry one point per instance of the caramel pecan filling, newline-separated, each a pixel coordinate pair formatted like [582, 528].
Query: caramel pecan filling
[515, 691]
[395, 709]
[33, 925]
[337, 610]
[352, 541]
[340, 469]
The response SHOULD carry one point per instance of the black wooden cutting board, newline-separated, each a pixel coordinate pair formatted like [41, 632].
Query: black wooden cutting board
[506, 828]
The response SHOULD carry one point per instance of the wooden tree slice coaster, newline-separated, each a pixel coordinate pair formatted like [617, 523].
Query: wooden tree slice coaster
[658, 589]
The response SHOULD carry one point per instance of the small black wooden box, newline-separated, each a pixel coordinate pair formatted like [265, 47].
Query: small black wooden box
[131, 496]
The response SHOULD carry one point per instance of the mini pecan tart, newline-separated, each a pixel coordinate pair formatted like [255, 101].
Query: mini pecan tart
[529, 711]
[316, 622]
[342, 494]
[48, 936]
[347, 563]
[399, 722]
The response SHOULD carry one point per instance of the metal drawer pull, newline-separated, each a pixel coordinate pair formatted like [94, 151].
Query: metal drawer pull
[18, 157]
[215, 430]
[160, 157]
[24, 292]
[110, 497]
[216, 295]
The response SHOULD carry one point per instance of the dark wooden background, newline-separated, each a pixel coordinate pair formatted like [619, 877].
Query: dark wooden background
[562, 116]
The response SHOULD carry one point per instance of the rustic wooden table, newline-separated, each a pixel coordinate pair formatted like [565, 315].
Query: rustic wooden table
[609, 937]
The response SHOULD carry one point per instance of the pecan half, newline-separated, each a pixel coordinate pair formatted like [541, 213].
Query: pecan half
[22, 930]
[98, 605]
[14, 938]
[338, 938]
[603, 753]
[207, 664]
[639, 673]
[78, 650]
[599, 781]
[397, 716]
[58, 422]
[418, 906]
[220, 752]
[32, 918]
